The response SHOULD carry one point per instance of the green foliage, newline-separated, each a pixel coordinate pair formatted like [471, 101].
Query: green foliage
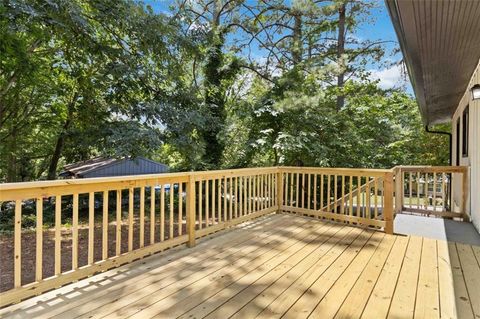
[81, 78]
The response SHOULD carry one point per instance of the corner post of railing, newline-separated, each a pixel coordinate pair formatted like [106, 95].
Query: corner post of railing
[398, 189]
[388, 202]
[279, 189]
[465, 191]
[190, 207]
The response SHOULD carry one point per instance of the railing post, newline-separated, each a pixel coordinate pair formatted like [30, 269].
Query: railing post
[398, 189]
[388, 203]
[190, 207]
[279, 192]
[463, 208]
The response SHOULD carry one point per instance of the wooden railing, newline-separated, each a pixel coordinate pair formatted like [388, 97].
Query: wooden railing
[432, 190]
[101, 223]
[355, 196]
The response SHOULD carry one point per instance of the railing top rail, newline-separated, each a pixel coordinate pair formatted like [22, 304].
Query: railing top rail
[26, 190]
[433, 169]
[340, 171]
[91, 180]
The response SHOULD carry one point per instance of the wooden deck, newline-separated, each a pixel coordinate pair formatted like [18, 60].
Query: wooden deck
[280, 266]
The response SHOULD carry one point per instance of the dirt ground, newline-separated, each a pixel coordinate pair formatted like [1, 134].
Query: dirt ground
[29, 249]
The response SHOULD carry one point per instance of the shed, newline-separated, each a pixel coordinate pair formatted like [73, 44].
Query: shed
[105, 167]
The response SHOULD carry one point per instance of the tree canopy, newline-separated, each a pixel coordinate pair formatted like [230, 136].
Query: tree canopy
[208, 84]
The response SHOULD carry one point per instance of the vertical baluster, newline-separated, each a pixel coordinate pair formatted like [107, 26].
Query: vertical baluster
[309, 192]
[286, 191]
[17, 281]
[375, 188]
[434, 201]
[236, 197]
[367, 197]
[74, 235]
[230, 197]
[162, 213]
[328, 192]
[152, 214]
[290, 183]
[257, 195]
[315, 177]
[322, 181]
[269, 191]
[225, 207]
[261, 191]
[444, 189]
[130, 219]
[213, 201]
[359, 194]
[250, 192]
[418, 190]
[171, 220]
[207, 203]
[180, 208]
[91, 225]
[302, 191]
[335, 194]
[410, 181]
[39, 243]
[245, 195]
[297, 186]
[240, 196]
[342, 202]
[142, 216]
[105, 225]
[118, 240]
[350, 197]
[219, 202]
[58, 235]
[254, 198]
[200, 204]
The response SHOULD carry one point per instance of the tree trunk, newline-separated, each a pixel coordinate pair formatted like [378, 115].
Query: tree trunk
[340, 52]
[57, 153]
[214, 96]
[297, 50]
[12, 159]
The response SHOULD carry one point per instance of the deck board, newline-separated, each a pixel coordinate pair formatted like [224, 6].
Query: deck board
[280, 266]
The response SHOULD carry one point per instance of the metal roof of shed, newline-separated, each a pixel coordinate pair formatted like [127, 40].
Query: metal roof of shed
[440, 41]
[105, 166]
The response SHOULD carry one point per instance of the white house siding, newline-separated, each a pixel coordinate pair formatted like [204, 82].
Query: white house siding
[473, 159]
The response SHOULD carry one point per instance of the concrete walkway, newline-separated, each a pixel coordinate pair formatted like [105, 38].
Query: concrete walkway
[437, 228]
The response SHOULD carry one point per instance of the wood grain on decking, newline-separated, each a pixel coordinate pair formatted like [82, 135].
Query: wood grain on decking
[280, 266]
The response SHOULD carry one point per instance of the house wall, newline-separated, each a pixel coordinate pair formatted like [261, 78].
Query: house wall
[473, 158]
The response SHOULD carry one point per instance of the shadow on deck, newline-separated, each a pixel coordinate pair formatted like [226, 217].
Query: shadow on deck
[280, 265]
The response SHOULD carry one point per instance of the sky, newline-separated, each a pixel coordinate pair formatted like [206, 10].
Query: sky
[380, 29]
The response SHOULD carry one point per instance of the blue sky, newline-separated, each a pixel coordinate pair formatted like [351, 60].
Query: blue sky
[380, 29]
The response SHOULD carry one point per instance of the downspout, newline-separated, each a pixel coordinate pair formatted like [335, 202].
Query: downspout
[449, 160]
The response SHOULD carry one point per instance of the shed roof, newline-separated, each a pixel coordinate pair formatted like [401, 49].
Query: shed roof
[80, 168]
[440, 41]
[86, 168]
